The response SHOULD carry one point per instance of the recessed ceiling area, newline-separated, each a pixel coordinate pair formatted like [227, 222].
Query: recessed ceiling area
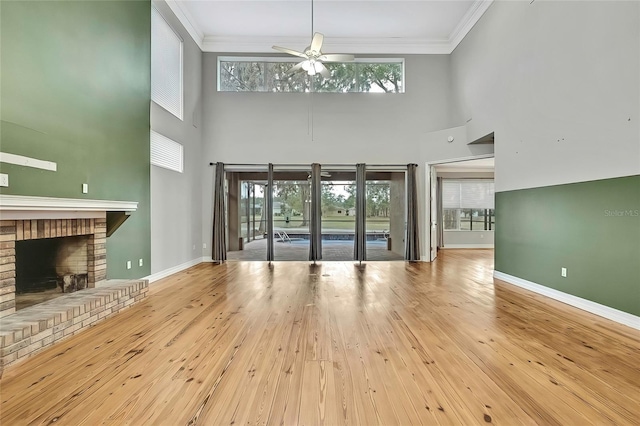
[367, 26]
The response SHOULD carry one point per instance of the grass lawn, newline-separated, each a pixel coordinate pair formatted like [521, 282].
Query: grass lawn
[328, 222]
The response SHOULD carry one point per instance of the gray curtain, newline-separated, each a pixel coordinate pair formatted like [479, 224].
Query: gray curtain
[268, 212]
[219, 244]
[315, 220]
[412, 249]
[440, 217]
[360, 240]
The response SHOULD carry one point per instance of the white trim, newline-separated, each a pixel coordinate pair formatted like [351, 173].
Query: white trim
[578, 302]
[391, 45]
[48, 214]
[187, 21]
[29, 203]
[280, 59]
[456, 160]
[468, 246]
[174, 269]
[467, 22]
[356, 45]
[21, 160]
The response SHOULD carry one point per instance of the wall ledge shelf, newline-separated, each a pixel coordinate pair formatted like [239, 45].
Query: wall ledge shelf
[14, 207]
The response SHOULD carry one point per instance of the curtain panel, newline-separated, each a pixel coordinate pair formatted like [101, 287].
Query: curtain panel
[315, 220]
[219, 243]
[412, 249]
[360, 240]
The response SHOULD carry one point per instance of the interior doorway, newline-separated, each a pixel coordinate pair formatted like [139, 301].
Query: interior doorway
[461, 204]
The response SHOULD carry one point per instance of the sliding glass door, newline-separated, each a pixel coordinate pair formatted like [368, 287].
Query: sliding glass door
[291, 214]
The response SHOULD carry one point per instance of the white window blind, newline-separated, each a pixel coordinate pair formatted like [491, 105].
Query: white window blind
[468, 194]
[166, 152]
[166, 65]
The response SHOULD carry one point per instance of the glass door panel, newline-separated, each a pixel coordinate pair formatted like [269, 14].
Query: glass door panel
[385, 215]
[338, 216]
[291, 210]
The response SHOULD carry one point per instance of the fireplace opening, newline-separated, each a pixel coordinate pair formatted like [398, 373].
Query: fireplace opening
[50, 267]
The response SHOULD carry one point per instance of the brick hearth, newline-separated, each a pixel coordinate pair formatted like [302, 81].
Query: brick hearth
[35, 328]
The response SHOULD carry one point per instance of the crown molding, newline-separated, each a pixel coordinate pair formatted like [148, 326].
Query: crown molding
[467, 22]
[187, 20]
[355, 45]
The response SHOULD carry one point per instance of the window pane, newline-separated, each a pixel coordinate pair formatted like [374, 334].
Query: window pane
[451, 219]
[242, 76]
[465, 220]
[166, 65]
[380, 77]
[342, 79]
[166, 152]
[278, 78]
[265, 75]
[477, 217]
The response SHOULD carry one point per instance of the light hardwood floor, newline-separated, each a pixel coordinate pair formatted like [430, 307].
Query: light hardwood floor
[385, 343]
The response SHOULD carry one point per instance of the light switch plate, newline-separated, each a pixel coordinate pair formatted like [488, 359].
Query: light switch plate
[4, 179]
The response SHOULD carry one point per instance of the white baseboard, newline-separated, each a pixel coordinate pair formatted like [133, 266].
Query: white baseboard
[170, 271]
[466, 246]
[575, 301]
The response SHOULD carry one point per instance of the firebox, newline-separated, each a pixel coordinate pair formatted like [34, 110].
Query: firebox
[46, 268]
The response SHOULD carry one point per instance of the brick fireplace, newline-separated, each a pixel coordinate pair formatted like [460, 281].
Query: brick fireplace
[53, 245]
[53, 264]
[72, 259]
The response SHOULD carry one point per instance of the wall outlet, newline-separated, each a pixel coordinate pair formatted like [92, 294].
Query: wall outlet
[204, 245]
[194, 247]
[563, 272]
[128, 264]
[140, 263]
[85, 188]
[4, 179]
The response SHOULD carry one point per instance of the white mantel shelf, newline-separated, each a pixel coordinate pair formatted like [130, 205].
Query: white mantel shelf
[27, 207]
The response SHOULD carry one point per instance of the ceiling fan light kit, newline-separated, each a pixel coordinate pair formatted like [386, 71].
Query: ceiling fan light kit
[313, 56]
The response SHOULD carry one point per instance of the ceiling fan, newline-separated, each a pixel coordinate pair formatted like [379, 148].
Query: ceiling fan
[313, 56]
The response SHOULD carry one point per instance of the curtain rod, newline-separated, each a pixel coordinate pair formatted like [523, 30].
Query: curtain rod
[305, 165]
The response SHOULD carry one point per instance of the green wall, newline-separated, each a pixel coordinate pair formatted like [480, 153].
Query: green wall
[75, 89]
[590, 228]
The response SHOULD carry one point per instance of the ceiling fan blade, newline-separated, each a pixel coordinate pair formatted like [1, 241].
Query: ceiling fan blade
[294, 69]
[289, 51]
[336, 57]
[316, 42]
[324, 71]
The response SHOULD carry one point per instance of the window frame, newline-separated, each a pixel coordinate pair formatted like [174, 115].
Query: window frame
[159, 137]
[488, 214]
[180, 114]
[283, 59]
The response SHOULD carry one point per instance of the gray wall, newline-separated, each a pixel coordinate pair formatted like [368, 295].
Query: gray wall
[176, 198]
[468, 239]
[558, 83]
[347, 128]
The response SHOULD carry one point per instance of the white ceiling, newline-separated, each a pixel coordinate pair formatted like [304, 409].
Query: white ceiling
[349, 26]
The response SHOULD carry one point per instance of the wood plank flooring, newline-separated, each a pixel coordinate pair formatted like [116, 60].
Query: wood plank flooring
[292, 343]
